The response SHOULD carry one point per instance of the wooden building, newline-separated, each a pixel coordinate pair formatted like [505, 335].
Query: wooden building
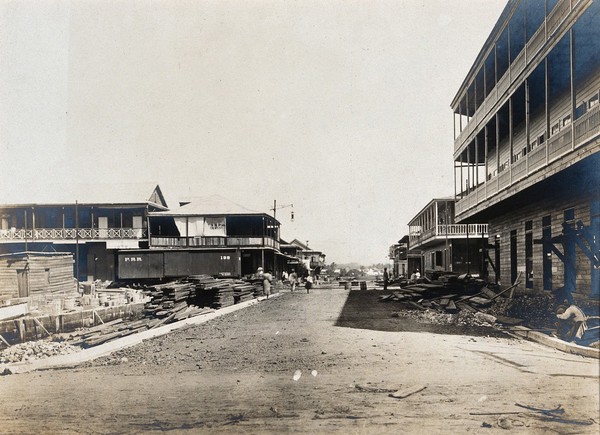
[443, 244]
[92, 228]
[311, 258]
[398, 253]
[26, 274]
[241, 239]
[527, 136]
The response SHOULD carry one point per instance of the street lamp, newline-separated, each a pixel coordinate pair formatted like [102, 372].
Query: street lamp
[275, 208]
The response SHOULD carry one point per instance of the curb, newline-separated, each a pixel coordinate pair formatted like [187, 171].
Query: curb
[555, 343]
[73, 359]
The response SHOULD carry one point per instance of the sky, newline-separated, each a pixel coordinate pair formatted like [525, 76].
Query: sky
[341, 108]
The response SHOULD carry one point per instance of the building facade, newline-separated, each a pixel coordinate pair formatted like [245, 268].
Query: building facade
[92, 231]
[312, 259]
[445, 245]
[527, 136]
[399, 255]
[209, 235]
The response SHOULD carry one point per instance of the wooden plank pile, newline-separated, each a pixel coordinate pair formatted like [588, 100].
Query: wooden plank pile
[455, 298]
[171, 302]
[211, 292]
[219, 293]
[243, 291]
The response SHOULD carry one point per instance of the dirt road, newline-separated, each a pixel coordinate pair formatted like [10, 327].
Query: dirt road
[305, 363]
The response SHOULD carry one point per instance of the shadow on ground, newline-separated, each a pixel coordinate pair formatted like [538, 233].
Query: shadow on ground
[363, 310]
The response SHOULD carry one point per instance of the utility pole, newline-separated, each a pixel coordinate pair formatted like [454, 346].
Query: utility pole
[275, 208]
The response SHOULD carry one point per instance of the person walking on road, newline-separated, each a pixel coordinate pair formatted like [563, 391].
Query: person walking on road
[266, 281]
[386, 278]
[309, 283]
[293, 280]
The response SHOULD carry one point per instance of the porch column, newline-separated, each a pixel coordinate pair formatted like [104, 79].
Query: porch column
[510, 136]
[573, 102]
[527, 132]
[476, 161]
[546, 98]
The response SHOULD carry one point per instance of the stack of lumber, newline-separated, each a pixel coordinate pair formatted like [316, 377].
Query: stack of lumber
[211, 292]
[118, 328]
[219, 293]
[243, 291]
[172, 302]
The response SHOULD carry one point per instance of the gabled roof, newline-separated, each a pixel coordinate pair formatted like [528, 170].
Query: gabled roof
[213, 205]
[304, 247]
[299, 244]
[91, 193]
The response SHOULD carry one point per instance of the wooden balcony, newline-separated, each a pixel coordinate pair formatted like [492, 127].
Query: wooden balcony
[451, 231]
[520, 63]
[220, 242]
[71, 234]
[556, 147]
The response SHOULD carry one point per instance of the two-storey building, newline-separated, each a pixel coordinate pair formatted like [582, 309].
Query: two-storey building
[399, 255]
[206, 235]
[527, 136]
[311, 258]
[445, 245]
[92, 226]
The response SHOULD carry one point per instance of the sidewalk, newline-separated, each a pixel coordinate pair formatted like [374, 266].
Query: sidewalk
[555, 343]
[71, 360]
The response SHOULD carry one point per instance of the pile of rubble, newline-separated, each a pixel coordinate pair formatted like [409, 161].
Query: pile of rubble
[32, 350]
[462, 318]
[452, 300]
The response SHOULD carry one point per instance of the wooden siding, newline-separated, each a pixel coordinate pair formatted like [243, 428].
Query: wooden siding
[45, 275]
[504, 224]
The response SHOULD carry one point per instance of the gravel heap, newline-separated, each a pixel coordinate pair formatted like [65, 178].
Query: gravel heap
[32, 350]
[463, 318]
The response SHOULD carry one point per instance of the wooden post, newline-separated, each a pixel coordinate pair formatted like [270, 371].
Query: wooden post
[37, 322]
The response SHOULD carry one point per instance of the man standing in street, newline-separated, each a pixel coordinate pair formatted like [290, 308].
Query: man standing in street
[386, 278]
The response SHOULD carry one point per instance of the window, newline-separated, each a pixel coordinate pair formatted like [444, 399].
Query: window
[569, 215]
[593, 101]
[580, 110]
[534, 144]
[567, 120]
[47, 276]
[542, 138]
[555, 129]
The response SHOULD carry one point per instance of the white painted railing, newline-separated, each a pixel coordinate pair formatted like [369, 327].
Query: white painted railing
[72, 234]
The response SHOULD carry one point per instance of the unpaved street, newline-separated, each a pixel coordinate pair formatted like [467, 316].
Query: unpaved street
[304, 363]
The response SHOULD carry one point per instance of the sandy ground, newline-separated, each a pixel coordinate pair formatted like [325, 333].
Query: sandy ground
[322, 362]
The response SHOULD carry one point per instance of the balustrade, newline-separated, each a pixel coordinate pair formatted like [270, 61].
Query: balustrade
[518, 65]
[519, 169]
[557, 15]
[588, 125]
[536, 158]
[560, 143]
[536, 42]
[72, 233]
[157, 241]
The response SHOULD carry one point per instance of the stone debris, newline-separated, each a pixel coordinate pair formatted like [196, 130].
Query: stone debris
[33, 350]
